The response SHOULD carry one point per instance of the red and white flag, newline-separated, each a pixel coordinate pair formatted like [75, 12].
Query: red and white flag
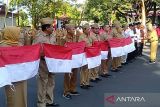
[58, 58]
[22, 62]
[116, 46]
[4, 74]
[129, 45]
[103, 45]
[78, 54]
[93, 55]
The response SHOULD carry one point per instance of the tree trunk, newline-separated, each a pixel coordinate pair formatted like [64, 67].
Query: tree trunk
[143, 14]
[154, 14]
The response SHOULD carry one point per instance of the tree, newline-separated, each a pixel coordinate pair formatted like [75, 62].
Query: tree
[47, 8]
[123, 10]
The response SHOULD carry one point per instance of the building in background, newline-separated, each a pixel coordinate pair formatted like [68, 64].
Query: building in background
[10, 18]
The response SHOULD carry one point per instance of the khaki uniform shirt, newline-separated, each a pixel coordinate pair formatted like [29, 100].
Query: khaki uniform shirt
[104, 36]
[116, 33]
[68, 38]
[42, 37]
[95, 37]
[88, 39]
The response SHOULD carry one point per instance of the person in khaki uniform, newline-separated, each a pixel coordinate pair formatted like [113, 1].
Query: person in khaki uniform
[153, 38]
[116, 33]
[16, 96]
[70, 79]
[104, 72]
[46, 80]
[94, 73]
[84, 74]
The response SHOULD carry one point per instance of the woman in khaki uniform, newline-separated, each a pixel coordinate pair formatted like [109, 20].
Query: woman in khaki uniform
[94, 73]
[70, 79]
[116, 33]
[84, 74]
[17, 95]
[104, 72]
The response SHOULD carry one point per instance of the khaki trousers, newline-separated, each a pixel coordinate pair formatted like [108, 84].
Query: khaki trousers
[94, 73]
[123, 59]
[18, 96]
[46, 84]
[70, 81]
[84, 75]
[119, 61]
[153, 52]
[115, 62]
[104, 67]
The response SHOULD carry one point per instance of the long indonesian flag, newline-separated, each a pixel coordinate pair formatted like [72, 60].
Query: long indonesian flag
[4, 75]
[22, 62]
[78, 54]
[93, 55]
[129, 45]
[104, 47]
[58, 58]
[116, 46]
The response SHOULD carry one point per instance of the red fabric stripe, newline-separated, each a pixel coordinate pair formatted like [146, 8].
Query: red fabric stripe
[92, 51]
[116, 42]
[103, 45]
[77, 47]
[57, 52]
[14, 55]
[1, 62]
[128, 41]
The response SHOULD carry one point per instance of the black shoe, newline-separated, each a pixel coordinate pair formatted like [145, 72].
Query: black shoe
[74, 93]
[114, 70]
[67, 96]
[104, 75]
[108, 75]
[53, 104]
[124, 63]
[89, 85]
[120, 67]
[84, 87]
[98, 79]
[152, 62]
[93, 80]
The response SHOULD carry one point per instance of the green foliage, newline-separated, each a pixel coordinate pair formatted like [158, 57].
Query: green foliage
[23, 19]
[47, 8]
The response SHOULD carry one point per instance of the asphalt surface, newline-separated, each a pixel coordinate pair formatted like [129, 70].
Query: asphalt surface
[136, 77]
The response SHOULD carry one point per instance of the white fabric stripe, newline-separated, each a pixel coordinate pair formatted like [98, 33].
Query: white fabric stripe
[116, 52]
[104, 55]
[94, 61]
[4, 77]
[129, 48]
[79, 60]
[23, 71]
[58, 65]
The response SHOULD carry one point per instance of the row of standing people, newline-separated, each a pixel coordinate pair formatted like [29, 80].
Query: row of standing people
[46, 83]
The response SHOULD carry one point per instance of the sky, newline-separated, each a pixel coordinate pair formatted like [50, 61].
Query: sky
[81, 1]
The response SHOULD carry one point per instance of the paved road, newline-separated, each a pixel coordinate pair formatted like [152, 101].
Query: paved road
[137, 77]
